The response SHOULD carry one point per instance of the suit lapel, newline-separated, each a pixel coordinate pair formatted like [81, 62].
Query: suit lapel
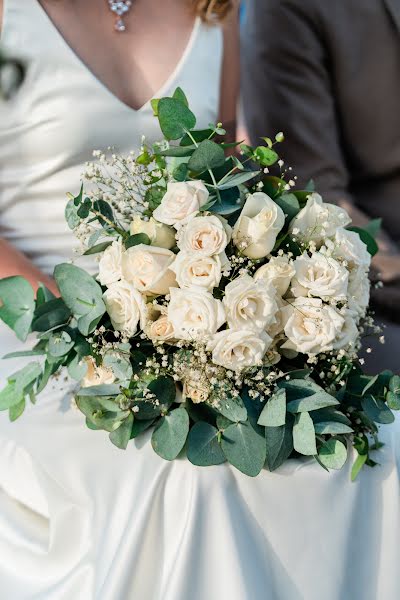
[393, 7]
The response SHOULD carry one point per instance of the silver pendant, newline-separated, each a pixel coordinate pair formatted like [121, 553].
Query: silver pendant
[120, 9]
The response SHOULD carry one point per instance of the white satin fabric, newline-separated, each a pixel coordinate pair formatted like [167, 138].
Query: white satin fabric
[82, 520]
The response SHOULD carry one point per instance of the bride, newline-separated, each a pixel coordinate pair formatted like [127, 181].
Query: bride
[80, 519]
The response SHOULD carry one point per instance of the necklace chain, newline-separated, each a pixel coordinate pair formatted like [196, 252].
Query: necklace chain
[120, 9]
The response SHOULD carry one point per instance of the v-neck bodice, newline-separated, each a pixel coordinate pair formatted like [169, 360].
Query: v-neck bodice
[63, 112]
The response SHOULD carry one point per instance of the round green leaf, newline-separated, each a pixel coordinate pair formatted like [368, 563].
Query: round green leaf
[304, 435]
[279, 442]
[203, 447]
[333, 454]
[233, 409]
[175, 118]
[377, 410]
[60, 343]
[17, 303]
[170, 434]
[208, 155]
[265, 156]
[244, 448]
[274, 412]
[331, 428]
[121, 436]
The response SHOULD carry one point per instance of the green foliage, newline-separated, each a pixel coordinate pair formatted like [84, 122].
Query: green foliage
[136, 240]
[377, 409]
[304, 435]
[233, 409]
[367, 238]
[17, 303]
[122, 434]
[175, 118]
[279, 444]
[98, 248]
[274, 412]
[304, 395]
[333, 454]
[82, 294]
[207, 156]
[289, 204]
[265, 156]
[170, 434]
[204, 448]
[244, 448]
[50, 315]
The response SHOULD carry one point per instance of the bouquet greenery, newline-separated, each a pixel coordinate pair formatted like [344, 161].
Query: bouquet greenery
[226, 314]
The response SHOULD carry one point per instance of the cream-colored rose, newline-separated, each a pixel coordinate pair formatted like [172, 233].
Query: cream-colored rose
[318, 220]
[277, 326]
[96, 375]
[278, 272]
[321, 276]
[348, 246]
[160, 330]
[258, 225]
[181, 200]
[194, 313]
[199, 271]
[348, 335]
[238, 350]
[358, 292]
[250, 304]
[110, 265]
[161, 235]
[126, 307]
[148, 269]
[206, 235]
[310, 326]
[196, 386]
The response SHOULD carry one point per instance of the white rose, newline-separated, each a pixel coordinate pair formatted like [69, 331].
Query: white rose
[277, 326]
[358, 292]
[310, 326]
[161, 235]
[181, 200]
[349, 247]
[318, 220]
[160, 330]
[237, 350]
[250, 304]
[194, 314]
[348, 335]
[196, 386]
[258, 225]
[278, 271]
[319, 275]
[96, 375]
[126, 307]
[199, 271]
[148, 269]
[207, 235]
[110, 265]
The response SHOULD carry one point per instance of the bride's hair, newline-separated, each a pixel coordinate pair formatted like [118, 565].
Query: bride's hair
[212, 10]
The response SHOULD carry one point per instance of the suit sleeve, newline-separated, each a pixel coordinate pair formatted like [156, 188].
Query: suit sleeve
[287, 87]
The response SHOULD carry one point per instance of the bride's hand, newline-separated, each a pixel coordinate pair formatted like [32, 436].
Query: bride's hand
[13, 262]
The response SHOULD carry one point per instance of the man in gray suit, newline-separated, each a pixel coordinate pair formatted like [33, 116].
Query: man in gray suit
[327, 74]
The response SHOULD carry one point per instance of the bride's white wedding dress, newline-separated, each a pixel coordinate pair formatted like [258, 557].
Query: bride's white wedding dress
[82, 520]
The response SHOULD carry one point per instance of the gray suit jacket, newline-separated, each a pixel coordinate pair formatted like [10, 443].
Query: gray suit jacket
[327, 74]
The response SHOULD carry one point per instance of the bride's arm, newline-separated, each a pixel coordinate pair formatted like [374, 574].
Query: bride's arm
[230, 73]
[13, 262]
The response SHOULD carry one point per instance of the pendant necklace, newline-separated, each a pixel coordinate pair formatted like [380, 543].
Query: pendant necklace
[120, 10]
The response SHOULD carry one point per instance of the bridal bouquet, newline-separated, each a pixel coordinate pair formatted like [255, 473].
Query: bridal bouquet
[226, 313]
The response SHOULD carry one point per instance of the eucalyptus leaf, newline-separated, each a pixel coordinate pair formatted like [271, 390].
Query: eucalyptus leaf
[77, 368]
[377, 410]
[265, 156]
[244, 448]
[104, 208]
[17, 304]
[25, 376]
[50, 315]
[237, 179]
[60, 343]
[304, 435]
[164, 389]
[333, 454]
[104, 389]
[136, 240]
[332, 428]
[198, 136]
[98, 248]
[279, 444]
[10, 396]
[175, 118]
[274, 412]
[16, 410]
[120, 437]
[203, 447]
[139, 427]
[358, 465]
[180, 95]
[289, 204]
[207, 156]
[80, 292]
[170, 434]
[233, 408]
[304, 395]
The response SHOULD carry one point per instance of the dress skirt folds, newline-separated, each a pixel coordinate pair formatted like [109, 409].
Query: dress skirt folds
[82, 520]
